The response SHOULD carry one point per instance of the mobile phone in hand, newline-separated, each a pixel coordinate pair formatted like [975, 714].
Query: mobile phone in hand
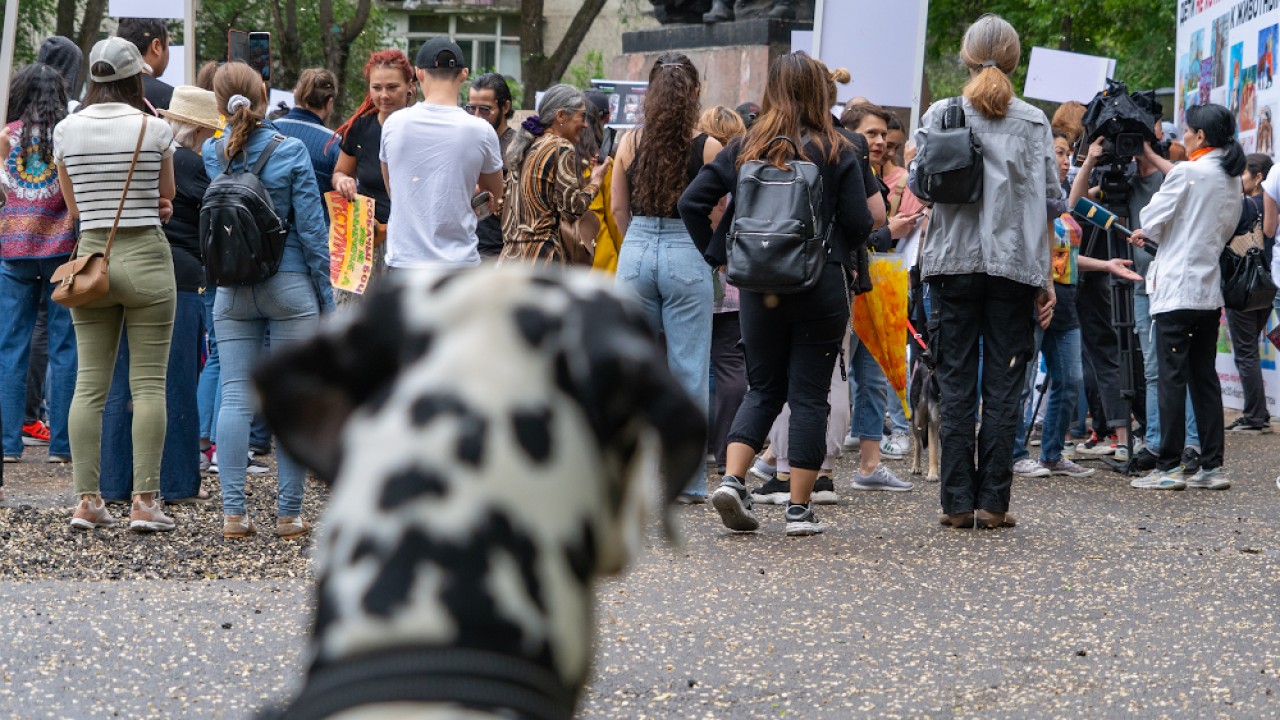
[609, 145]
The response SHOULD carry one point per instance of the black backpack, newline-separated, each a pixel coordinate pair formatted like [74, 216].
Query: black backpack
[241, 235]
[949, 166]
[777, 240]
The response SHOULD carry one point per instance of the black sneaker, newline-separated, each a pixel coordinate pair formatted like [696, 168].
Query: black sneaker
[801, 521]
[733, 503]
[824, 491]
[1236, 424]
[773, 492]
[1144, 460]
[1190, 461]
[1251, 427]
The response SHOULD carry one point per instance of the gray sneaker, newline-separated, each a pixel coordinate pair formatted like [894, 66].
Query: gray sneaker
[1063, 466]
[801, 521]
[1171, 479]
[734, 505]
[1208, 480]
[1026, 467]
[882, 479]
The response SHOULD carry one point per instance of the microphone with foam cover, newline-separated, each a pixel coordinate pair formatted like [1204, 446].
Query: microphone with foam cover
[1100, 217]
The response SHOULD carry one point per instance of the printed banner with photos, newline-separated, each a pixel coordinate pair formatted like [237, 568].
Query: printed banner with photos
[1227, 55]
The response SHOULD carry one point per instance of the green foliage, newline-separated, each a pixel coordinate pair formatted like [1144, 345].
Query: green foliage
[581, 74]
[34, 19]
[215, 17]
[1139, 34]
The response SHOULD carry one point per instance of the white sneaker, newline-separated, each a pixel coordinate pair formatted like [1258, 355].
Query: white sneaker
[1026, 467]
[895, 446]
[1121, 454]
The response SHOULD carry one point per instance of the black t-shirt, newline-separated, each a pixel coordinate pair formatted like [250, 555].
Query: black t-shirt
[158, 92]
[363, 142]
[1065, 316]
[183, 229]
[489, 230]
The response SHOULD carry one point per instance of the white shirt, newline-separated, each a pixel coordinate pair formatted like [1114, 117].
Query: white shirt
[1271, 186]
[435, 155]
[1191, 217]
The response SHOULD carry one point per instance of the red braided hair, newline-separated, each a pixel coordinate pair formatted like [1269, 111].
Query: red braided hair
[392, 58]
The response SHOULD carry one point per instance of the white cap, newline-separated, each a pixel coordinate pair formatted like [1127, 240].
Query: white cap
[120, 54]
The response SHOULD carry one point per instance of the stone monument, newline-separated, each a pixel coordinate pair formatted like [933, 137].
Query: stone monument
[732, 55]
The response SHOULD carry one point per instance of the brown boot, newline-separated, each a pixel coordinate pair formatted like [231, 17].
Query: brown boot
[91, 513]
[988, 519]
[960, 521]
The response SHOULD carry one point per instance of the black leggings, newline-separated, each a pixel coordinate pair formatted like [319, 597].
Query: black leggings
[1187, 350]
[792, 343]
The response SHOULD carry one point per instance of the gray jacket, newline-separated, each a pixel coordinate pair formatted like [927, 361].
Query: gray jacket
[1004, 234]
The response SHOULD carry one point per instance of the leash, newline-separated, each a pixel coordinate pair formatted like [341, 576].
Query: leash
[476, 679]
[925, 355]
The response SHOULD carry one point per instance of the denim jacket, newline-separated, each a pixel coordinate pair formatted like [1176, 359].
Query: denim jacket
[1005, 233]
[291, 182]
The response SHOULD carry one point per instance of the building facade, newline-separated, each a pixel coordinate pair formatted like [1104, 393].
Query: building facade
[488, 31]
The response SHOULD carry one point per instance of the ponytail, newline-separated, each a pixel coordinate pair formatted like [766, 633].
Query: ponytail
[991, 49]
[990, 92]
[238, 89]
[1233, 158]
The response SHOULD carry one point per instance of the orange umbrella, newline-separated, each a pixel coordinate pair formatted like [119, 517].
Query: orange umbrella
[880, 319]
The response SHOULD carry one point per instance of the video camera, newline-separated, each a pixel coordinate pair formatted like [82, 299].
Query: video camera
[1124, 121]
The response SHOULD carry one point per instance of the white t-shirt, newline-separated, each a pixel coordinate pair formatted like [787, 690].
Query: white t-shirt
[1271, 186]
[435, 155]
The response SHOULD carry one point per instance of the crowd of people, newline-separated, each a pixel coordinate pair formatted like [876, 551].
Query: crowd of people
[148, 387]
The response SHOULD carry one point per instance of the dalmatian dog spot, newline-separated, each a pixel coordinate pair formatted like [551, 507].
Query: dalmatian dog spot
[439, 412]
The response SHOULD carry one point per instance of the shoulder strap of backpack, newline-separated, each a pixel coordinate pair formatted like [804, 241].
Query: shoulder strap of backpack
[272, 144]
[953, 116]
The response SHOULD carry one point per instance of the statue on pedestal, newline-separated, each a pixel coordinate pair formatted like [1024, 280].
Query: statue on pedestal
[714, 11]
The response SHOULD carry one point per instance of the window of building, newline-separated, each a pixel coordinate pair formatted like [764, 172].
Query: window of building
[490, 42]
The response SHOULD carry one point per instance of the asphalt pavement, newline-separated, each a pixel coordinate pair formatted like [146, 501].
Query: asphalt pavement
[1104, 602]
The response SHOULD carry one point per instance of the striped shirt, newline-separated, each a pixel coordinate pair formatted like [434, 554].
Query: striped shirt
[96, 146]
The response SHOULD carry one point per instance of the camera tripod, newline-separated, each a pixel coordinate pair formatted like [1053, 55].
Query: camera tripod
[1122, 320]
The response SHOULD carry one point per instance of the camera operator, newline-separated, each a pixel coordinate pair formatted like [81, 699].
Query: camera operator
[1101, 354]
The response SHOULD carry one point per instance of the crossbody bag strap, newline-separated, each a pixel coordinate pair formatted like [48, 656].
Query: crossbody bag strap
[115, 224]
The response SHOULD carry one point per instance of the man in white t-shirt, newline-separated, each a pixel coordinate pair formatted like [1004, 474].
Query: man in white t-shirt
[434, 155]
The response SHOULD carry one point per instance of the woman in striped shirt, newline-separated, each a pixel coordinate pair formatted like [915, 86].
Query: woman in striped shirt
[94, 149]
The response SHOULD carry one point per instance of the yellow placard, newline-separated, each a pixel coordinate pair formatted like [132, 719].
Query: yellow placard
[351, 232]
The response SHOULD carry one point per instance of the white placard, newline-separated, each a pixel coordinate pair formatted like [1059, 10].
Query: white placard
[176, 71]
[1059, 76]
[279, 96]
[146, 9]
[881, 43]
[802, 41]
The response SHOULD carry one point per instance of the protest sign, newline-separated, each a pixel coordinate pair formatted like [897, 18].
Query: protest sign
[351, 233]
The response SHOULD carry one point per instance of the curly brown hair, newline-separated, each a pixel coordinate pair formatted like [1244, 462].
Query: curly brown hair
[658, 175]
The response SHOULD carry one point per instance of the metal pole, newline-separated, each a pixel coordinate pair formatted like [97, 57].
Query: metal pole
[817, 29]
[189, 40]
[6, 52]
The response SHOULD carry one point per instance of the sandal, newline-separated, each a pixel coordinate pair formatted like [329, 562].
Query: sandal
[288, 528]
[237, 526]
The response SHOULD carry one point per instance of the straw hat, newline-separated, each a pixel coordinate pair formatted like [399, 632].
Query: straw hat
[194, 106]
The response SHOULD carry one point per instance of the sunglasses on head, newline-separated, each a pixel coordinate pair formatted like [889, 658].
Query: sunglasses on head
[483, 110]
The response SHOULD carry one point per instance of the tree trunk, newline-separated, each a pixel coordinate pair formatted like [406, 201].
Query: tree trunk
[533, 63]
[539, 69]
[338, 43]
[288, 47]
[90, 21]
[1065, 42]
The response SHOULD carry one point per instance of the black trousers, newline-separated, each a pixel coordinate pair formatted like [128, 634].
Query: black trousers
[1187, 350]
[1101, 354]
[999, 312]
[729, 364]
[792, 343]
[1246, 327]
[38, 366]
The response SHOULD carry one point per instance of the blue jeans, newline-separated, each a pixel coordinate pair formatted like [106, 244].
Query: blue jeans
[1151, 373]
[285, 305]
[660, 267]
[1066, 373]
[180, 462]
[22, 285]
[869, 390]
[209, 389]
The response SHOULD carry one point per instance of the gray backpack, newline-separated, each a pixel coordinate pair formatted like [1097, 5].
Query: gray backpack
[777, 240]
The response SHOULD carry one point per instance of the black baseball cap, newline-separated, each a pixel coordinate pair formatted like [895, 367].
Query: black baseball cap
[440, 52]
